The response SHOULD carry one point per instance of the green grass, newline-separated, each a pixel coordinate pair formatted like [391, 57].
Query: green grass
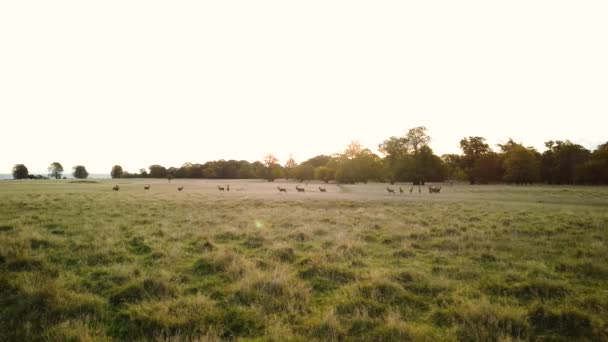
[81, 262]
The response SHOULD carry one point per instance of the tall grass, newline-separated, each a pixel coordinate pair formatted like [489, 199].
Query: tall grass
[81, 262]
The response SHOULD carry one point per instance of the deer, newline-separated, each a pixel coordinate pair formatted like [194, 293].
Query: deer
[220, 188]
[299, 189]
[322, 189]
[411, 189]
[400, 190]
[281, 189]
[390, 191]
[434, 189]
[116, 188]
[180, 188]
[228, 187]
[147, 187]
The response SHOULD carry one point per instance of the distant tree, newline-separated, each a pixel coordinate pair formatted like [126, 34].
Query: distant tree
[55, 170]
[116, 171]
[394, 150]
[320, 160]
[304, 172]
[487, 169]
[20, 171]
[80, 172]
[157, 171]
[596, 168]
[430, 167]
[324, 173]
[473, 148]
[521, 165]
[289, 167]
[453, 165]
[142, 173]
[563, 162]
[272, 167]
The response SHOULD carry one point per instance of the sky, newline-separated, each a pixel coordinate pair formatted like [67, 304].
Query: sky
[137, 83]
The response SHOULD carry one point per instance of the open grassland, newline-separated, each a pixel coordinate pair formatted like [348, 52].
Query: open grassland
[79, 261]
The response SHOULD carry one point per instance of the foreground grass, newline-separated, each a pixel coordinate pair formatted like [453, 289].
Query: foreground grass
[80, 262]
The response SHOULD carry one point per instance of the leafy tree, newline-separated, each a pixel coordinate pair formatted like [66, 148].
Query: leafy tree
[55, 170]
[395, 150]
[20, 171]
[474, 148]
[304, 172]
[270, 161]
[290, 165]
[80, 172]
[320, 160]
[157, 171]
[487, 169]
[116, 171]
[521, 165]
[596, 168]
[429, 166]
[562, 162]
[324, 173]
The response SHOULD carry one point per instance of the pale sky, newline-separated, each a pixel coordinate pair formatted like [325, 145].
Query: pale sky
[137, 83]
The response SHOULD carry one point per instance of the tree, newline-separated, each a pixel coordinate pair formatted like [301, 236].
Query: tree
[157, 171]
[487, 169]
[324, 173]
[521, 165]
[270, 161]
[304, 172]
[473, 148]
[55, 170]
[416, 138]
[116, 171]
[80, 172]
[562, 162]
[20, 171]
[596, 168]
[290, 165]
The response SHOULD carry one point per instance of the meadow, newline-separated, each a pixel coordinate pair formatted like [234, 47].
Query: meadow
[80, 262]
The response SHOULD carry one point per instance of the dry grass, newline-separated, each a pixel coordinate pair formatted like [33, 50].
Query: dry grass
[79, 261]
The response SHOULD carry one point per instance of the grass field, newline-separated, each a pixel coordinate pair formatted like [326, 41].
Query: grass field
[481, 263]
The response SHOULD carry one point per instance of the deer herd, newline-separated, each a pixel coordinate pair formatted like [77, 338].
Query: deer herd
[432, 189]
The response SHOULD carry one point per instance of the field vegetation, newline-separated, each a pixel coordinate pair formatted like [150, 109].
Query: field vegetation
[80, 262]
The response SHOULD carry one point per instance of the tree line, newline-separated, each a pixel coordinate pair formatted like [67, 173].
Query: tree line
[407, 158]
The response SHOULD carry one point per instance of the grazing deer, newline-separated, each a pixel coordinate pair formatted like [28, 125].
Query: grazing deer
[400, 191]
[390, 191]
[147, 187]
[180, 188]
[116, 188]
[434, 189]
[322, 189]
[220, 188]
[281, 189]
[299, 189]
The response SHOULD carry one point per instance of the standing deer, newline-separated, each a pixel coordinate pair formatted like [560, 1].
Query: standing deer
[322, 189]
[228, 187]
[299, 189]
[411, 189]
[400, 190]
[220, 188]
[281, 189]
[390, 191]
[116, 188]
[180, 188]
[147, 187]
